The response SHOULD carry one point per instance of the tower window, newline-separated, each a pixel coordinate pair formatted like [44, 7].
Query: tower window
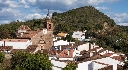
[49, 26]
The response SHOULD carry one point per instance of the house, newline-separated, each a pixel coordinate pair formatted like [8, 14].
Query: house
[79, 35]
[95, 58]
[86, 46]
[23, 29]
[16, 43]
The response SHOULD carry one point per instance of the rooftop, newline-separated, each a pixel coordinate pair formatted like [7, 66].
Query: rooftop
[15, 40]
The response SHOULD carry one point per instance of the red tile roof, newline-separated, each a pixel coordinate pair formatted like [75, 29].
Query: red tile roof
[28, 34]
[15, 40]
[2, 48]
[64, 54]
[108, 54]
[119, 58]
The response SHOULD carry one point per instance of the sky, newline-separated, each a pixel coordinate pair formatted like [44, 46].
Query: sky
[23, 10]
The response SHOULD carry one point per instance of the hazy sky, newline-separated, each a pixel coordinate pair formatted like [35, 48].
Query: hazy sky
[22, 10]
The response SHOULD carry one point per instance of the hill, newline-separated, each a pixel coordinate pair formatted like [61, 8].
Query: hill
[101, 28]
[80, 19]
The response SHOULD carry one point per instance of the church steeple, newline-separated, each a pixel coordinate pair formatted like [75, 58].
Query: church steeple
[49, 24]
[48, 16]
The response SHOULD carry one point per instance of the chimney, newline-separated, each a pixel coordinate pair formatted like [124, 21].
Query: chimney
[72, 44]
[68, 52]
[60, 47]
[4, 43]
[89, 46]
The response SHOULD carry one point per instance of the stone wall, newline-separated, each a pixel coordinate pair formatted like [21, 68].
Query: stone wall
[47, 38]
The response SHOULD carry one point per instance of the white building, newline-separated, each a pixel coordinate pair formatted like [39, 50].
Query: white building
[16, 43]
[79, 35]
[86, 46]
[62, 42]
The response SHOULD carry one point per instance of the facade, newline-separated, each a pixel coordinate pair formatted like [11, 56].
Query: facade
[23, 29]
[16, 43]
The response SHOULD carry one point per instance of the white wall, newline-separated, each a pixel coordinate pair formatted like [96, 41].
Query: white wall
[61, 42]
[84, 66]
[58, 64]
[97, 66]
[86, 47]
[20, 31]
[17, 45]
[83, 47]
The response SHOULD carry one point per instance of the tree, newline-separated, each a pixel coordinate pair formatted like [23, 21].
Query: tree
[28, 61]
[70, 66]
[2, 57]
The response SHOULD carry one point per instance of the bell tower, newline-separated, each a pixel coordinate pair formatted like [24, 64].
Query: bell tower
[49, 24]
[47, 33]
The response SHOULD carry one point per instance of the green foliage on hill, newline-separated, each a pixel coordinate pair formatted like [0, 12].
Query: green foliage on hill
[80, 19]
[107, 35]
[8, 30]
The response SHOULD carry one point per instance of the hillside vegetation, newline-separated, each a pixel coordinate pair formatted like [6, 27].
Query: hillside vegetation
[80, 19]
[101, 28]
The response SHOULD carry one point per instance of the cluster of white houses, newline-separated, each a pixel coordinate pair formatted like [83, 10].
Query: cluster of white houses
[85, 55]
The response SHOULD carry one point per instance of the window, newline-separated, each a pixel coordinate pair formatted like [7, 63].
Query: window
[49, 26]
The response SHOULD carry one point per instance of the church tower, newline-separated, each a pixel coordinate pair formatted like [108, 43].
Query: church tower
[47, 36]
[48, 24]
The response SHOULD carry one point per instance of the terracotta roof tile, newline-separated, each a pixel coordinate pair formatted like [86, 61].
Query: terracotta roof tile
[15, 40]
[2, 48]
[108, 54]
[65, 54]
[28, 34]
[119, 58]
